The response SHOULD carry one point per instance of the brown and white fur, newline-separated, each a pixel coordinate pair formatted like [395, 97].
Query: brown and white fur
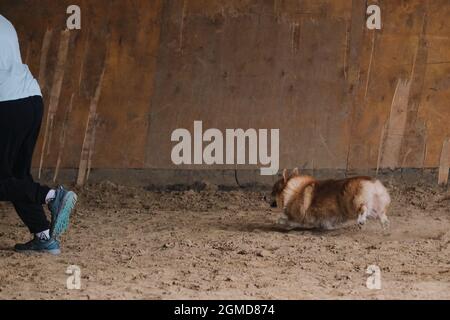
[310, 203]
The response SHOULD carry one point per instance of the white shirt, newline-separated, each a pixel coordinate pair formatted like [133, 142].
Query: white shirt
[16, 80]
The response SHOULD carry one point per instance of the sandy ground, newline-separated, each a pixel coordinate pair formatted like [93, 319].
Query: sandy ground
[132, 243]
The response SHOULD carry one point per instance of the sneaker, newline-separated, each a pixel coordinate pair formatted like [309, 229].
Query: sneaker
[36, 245]
[61, 207]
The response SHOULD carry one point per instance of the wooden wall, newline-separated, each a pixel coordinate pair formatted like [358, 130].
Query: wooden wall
[343, 96]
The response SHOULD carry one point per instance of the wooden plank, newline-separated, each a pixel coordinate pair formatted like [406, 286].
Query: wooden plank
[390, 157]
[62, 138]
[89, 136]
[444, 163]
[55, 91]
[44, 55]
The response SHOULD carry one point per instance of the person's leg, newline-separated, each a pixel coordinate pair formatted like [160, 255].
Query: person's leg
[22, 190]
[21, 130]
[16, 123]
[31, 213]
[16, 119]
[20, 122]
[18, 134]
[61, 202]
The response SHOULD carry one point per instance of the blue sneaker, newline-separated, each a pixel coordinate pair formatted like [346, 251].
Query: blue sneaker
[41, 246]
[61, 207]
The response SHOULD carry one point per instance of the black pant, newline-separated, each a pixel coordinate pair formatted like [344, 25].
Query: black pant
[20, 122]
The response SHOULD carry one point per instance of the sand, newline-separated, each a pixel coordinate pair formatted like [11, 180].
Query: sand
[132, 243]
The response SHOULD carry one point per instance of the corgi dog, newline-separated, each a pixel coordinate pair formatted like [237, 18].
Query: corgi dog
[308, 203]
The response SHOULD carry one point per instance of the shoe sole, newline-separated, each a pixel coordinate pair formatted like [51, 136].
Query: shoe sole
[62, 220]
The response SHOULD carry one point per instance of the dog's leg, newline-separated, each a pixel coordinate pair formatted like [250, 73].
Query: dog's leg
[362, 218]
[384, 221]
[328, 226]
[288, 224]
[283, 220]
[294, 225]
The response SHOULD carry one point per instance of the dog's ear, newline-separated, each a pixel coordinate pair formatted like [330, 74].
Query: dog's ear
[295, 172]
[285, 175]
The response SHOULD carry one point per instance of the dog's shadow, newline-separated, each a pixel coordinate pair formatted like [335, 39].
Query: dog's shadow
[273, 227]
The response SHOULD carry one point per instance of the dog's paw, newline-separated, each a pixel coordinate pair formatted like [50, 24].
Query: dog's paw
[283, 221]
[385, 224]
[361, 220]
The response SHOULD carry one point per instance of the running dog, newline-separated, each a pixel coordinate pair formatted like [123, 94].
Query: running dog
[313, 204]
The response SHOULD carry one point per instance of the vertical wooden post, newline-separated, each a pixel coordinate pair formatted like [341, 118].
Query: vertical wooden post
[444, 163]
